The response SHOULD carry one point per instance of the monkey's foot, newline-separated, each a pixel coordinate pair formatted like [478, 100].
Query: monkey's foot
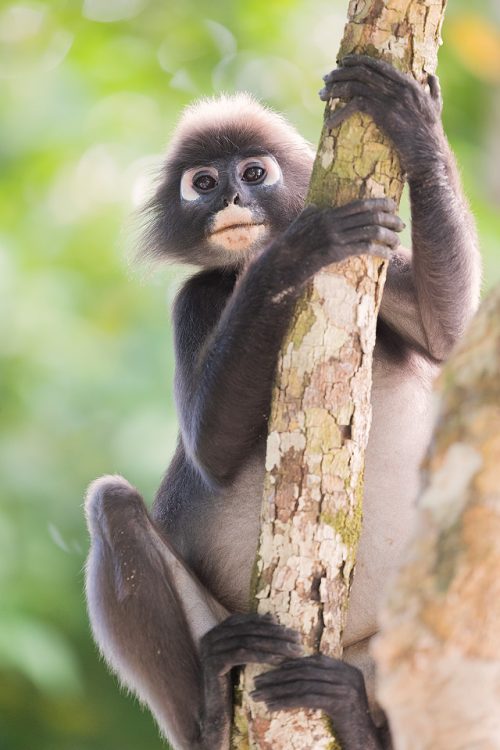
[240, 639]
[248, 638]
[330, 685]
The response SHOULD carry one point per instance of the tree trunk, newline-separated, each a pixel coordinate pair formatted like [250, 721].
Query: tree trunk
[311, 515]
[439, 649]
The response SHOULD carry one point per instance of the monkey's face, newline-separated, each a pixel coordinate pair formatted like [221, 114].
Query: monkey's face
[234, 201]
[235, 177]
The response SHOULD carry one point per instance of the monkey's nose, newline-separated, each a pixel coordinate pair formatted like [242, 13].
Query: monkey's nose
[235, 200]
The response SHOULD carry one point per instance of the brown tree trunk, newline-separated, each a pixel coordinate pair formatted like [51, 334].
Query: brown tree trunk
[311, 514]
[439, 648]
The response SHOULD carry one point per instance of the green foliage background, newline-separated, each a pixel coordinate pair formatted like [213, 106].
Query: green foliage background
[89, 92]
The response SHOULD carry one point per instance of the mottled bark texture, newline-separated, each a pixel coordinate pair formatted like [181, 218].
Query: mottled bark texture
[311, 516]
[439, 648]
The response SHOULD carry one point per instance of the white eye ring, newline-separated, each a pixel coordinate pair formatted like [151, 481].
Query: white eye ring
[269, 163]
[188, 190]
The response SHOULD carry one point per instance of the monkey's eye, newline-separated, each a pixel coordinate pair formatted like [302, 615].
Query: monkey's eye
[260, 170]
[198, 180]
[253, 174]
[204, 182]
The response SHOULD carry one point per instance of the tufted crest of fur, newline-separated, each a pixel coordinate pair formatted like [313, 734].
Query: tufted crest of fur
[230, 123]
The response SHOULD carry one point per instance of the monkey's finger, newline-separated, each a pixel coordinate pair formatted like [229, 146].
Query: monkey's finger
[361, 74]
[253, 649]
[317, 661]
[318, 668]
[382, 218]
[387, 205]
[371, 233]
[284, 678]
[341, 114]
[251, 620]
[300, 694]
[271, 635]
[260, 642]
[356, 89]
[381, 67]
[255, 626]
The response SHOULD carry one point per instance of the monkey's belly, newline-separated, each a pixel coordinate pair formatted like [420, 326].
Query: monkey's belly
[226, 542]
[401, 429]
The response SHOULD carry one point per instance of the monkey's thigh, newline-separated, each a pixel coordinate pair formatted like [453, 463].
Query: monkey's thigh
[147, 609]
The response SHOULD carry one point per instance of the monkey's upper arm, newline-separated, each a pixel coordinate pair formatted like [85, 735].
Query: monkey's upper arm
[423, 320]
[197, 310]
[199, 348]
[399, 308]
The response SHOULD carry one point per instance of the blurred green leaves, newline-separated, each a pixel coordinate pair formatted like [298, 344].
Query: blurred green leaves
[89, 92]
[40, 653]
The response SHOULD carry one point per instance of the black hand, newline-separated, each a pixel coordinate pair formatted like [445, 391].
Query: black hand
[408, 113]
[323, 236]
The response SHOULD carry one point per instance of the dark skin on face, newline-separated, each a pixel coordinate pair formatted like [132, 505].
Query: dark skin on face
[168, 591]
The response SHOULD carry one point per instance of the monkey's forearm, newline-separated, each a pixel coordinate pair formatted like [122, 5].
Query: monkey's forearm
[431, 293]
[227, 399]
[225, 390]
[446, 263]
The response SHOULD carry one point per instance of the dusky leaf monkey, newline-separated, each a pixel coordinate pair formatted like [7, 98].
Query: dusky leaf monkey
[168, 591]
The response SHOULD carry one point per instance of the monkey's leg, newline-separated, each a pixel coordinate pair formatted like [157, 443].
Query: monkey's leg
[148, 614]
[147, 633]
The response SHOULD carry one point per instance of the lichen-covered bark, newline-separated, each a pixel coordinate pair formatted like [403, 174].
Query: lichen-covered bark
[311, 515]
[439, 648]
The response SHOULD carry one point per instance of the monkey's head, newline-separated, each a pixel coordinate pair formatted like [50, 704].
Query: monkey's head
[235, 176]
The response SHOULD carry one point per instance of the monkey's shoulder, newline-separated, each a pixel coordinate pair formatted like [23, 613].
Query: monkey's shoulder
[198, 306]
[204, 289]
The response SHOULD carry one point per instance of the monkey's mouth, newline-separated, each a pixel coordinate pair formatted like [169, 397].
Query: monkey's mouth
[232, 227]
[238, 237]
